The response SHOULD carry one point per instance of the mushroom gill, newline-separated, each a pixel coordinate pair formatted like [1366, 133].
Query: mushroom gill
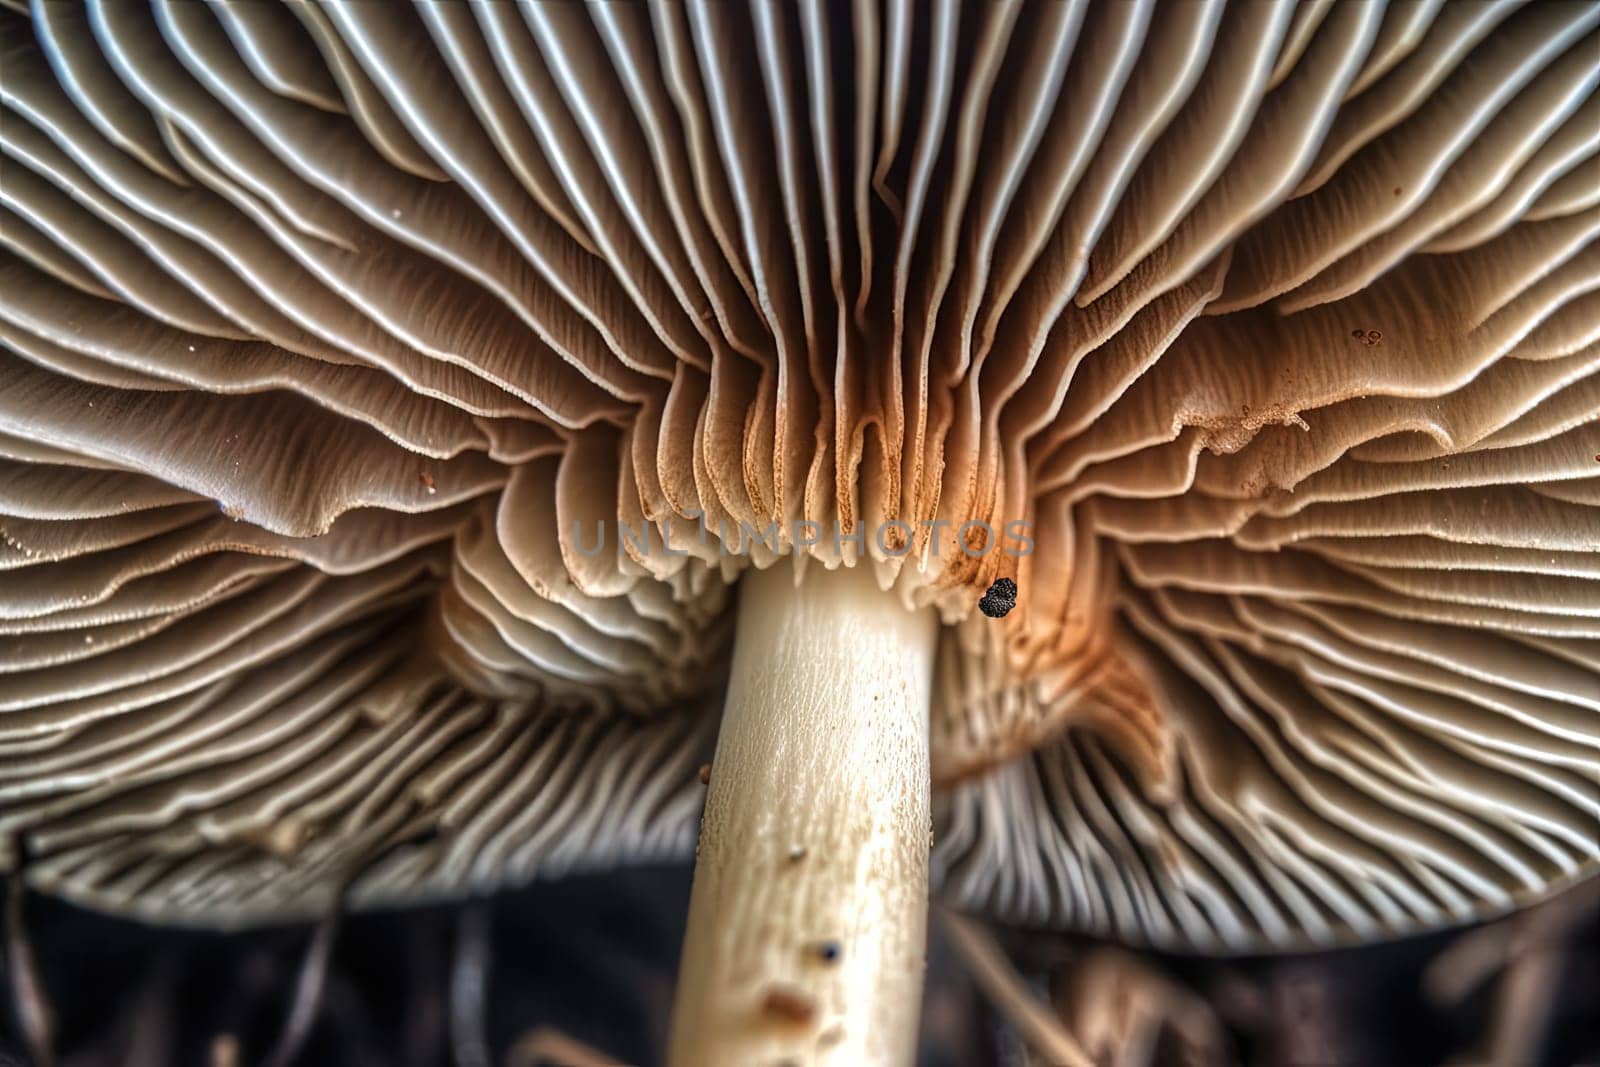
[391, 397]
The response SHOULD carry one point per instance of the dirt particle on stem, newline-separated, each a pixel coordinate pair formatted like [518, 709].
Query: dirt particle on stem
[705, 774]
[789, 1003]
[797, 853]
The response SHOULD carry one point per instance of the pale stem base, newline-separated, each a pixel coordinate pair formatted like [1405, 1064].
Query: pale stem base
[808, 920]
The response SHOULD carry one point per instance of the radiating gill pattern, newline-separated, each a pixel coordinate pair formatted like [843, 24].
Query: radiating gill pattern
[330, 333]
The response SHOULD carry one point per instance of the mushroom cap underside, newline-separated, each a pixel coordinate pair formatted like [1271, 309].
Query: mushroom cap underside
[389, 398]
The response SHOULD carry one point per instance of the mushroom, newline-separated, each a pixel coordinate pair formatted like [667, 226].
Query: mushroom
[1168, 436]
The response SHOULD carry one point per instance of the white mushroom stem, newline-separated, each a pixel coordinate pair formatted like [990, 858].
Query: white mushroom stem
[808, 921]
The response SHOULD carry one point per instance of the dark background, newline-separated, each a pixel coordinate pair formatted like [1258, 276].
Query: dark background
[592, 958]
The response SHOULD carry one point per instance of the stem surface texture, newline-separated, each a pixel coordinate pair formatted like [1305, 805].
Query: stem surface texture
[807, 924]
